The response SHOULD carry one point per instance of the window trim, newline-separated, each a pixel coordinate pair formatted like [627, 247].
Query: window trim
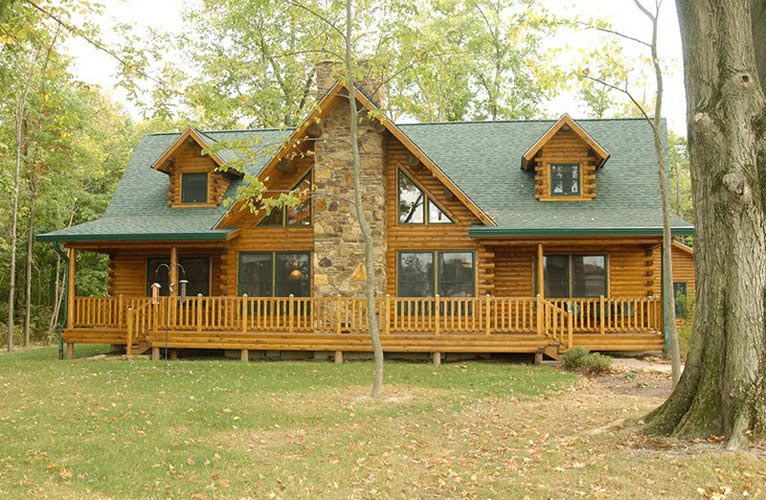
[436, 255]
[428, 199]
[207, 188]
[274, 254]
[579, 180]
[607, 281]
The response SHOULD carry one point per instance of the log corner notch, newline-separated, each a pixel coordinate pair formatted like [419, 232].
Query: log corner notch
[722, 391]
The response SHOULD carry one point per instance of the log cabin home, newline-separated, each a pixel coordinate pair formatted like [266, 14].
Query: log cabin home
[528, 236]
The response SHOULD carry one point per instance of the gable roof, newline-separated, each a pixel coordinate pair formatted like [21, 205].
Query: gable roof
[564, 121]
[472, 155]
[326, 104]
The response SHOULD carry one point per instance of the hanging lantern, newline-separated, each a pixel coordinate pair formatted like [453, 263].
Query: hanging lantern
[156, 293]
[295, 274]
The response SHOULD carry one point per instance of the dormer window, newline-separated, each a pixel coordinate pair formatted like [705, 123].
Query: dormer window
[414, 204]
[194, 187]
[565, 179]
[565, 160]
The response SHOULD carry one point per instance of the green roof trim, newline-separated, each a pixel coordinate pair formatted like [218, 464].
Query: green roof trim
[208, 236]
[484, 232]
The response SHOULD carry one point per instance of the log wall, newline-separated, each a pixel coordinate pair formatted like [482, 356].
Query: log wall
[429, 236]
[565, 147]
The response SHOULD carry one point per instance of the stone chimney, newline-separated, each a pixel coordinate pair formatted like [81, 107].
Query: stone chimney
[368, 78]
[338, 243]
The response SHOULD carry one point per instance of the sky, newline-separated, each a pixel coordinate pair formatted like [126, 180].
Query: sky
[99, 69]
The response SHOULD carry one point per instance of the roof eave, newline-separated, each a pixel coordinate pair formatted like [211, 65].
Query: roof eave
[495, 232]
[205, 236]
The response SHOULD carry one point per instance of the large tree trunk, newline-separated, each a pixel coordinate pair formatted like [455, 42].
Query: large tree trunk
[723, 389]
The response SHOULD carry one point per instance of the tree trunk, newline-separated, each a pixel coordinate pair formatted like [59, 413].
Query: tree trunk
[722, 391]
[377, 384]
[30, 255]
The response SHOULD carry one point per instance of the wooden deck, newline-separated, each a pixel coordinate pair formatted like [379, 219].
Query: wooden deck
[468, 325]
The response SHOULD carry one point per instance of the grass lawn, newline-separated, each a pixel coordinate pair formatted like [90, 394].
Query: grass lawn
[113, 428]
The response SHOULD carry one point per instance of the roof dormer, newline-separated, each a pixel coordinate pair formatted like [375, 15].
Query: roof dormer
[194, 179]
[565, 160]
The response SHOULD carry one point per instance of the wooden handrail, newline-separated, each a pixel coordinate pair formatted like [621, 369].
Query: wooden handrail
[560, 319]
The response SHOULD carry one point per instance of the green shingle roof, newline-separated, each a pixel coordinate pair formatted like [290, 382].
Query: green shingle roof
[482, 158]
[139, 208]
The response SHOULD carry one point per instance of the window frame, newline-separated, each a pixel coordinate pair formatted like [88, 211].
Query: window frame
[166, 260]
[185, 175]
[427, 202]
[570, 273]
[436, 256]
[283, 210]
[551, 193]
[274, 255]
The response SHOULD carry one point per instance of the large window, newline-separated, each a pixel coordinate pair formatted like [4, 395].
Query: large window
[274, 274]
[450, 273]
[415, 207]
[195, 270]
[575, 276]
[565, 179]
[194, 188]
[299, 215]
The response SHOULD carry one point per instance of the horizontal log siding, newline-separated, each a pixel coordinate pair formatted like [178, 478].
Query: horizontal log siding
[565, 147]
[263, 239]
[253, 238]
[429, 237]
[629, 269]
[127, 270]
[683, 268]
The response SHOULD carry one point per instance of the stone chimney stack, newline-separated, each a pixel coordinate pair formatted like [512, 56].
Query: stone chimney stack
[369, 79]
[338, 243]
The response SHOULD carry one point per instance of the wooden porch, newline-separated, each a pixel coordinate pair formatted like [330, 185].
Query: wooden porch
[337, 324]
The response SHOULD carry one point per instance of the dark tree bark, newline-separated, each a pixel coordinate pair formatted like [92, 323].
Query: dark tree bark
[723, 390]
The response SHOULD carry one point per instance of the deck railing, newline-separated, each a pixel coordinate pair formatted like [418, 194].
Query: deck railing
[559, 319]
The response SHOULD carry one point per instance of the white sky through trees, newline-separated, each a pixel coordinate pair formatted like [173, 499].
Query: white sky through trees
[97, 68]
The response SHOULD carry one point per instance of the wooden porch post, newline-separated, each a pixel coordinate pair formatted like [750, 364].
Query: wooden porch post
[173, 274]
[70, 290]
[540, 271]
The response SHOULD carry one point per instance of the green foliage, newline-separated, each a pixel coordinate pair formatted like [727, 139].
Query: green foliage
[75, 146]
[581, 359]
[680, 176]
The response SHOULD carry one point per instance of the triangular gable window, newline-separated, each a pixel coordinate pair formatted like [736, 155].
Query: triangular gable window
[414, 204]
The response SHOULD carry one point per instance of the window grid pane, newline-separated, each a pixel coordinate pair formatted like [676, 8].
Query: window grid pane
[255, 274]
[411, 201]
[456, 274]
[293, 274]
[416, 274]
[194, 188]
[300, 215]
[565, 180]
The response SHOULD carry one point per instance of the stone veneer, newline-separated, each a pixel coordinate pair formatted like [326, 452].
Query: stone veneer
[338, 242]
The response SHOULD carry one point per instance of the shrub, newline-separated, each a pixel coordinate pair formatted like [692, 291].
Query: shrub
[581, 359]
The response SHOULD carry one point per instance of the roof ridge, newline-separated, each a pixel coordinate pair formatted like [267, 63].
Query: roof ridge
[222, 131]
[531, 120]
